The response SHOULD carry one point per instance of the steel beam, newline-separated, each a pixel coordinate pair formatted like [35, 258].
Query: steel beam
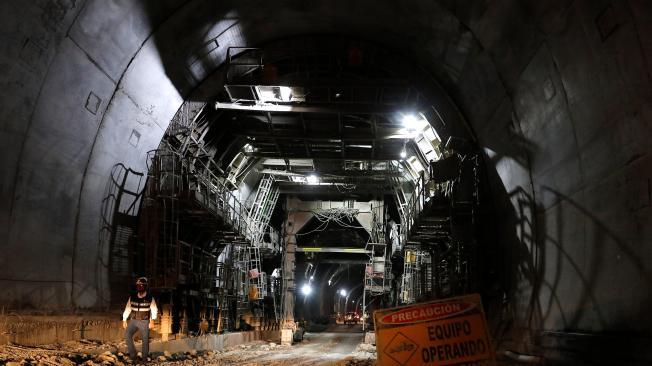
[323, 137]
[333, 250]
[326, 108]
[344, 261]
[331, 155]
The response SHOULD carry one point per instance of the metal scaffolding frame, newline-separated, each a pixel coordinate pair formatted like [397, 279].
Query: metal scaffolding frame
[410, 281]
[187, 202]
[438, 234]
[256, 278]
[378, 270]
[261, 211]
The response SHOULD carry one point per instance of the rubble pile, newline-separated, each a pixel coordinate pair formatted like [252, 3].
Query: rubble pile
[364, 355]
[260, 353]
[11, 355]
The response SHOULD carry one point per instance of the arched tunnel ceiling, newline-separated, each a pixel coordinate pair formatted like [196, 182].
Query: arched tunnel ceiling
[353, 97]
[557, 92]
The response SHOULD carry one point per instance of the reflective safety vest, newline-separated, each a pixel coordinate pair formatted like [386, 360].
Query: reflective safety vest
[140, 307]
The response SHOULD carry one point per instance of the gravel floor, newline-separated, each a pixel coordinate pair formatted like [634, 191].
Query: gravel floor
[325, 348]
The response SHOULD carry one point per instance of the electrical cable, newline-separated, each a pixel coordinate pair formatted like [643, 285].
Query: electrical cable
[336, 215]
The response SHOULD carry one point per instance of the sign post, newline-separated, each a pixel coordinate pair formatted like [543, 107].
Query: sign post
[442, 332]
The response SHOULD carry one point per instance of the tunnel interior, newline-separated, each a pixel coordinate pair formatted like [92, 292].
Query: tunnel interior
[255, 159]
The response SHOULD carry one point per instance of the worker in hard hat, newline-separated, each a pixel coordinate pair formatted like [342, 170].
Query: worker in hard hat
[139, 315]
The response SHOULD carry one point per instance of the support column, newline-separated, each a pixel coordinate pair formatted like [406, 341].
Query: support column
[294, 222]
[166, 322]
[289, 258]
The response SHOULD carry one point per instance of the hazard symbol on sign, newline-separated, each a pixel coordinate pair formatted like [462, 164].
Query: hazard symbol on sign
[401, 348]
[445, 332]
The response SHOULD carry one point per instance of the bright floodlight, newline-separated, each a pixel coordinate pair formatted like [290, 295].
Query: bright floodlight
[286, 93]
[342, 292]
[403, 154]
[312, 179]
[410, 121]
[306, 289]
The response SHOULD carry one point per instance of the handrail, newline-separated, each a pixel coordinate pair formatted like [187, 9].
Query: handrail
[172, 175]
[414, 207]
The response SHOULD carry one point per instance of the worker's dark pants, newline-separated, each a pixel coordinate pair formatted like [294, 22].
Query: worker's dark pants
[143, 327]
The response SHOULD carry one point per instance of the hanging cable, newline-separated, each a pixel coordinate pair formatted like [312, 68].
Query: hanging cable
[336, 215]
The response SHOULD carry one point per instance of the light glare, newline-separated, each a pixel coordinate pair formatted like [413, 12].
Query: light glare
[306, 289]
[312, 179]
[410, 121]
[342, 292]
[286, 93]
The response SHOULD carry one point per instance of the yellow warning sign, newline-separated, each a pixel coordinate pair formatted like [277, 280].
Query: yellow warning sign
[443, 332]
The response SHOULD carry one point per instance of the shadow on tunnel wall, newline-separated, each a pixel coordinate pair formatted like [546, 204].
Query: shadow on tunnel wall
[549, 296]
[616, 314]
[119, 250]
[195, 54]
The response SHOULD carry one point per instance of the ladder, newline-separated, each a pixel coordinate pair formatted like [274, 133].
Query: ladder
[262, 209]
[240, 283]
[401, 200]
[410, 284]
[377, 270]
[376, 276]
[256, 278]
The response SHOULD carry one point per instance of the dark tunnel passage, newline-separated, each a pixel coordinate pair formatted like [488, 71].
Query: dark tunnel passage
[251, 157]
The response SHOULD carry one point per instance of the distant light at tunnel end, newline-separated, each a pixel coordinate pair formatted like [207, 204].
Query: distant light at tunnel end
[306, 289]
[342, 292]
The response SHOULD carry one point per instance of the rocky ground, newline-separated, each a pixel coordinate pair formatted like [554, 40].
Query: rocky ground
[256, 353]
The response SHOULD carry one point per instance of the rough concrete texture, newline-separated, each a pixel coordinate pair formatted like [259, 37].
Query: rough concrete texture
[214, 342]
[558, 94]
[96, 329]
[39, 330]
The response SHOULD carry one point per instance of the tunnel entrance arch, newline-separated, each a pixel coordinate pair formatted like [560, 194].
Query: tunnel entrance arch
[355, 86]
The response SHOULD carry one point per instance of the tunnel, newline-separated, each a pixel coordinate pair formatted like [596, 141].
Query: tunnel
[299, 165]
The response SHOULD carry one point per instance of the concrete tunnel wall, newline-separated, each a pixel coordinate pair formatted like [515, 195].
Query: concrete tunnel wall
[558, 94]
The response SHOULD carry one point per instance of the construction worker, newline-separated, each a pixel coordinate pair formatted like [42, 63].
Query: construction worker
[141, 311]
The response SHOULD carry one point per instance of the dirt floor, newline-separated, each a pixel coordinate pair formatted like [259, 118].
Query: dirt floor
[340, 346]
[337, 345]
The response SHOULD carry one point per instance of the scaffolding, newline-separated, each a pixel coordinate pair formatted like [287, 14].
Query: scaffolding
[438, 233]
[256, 278]
[413, 281]
[248, 281]
[378, 270]
[191, 216]
[222, 272]
[271, 243]
[187, 230]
